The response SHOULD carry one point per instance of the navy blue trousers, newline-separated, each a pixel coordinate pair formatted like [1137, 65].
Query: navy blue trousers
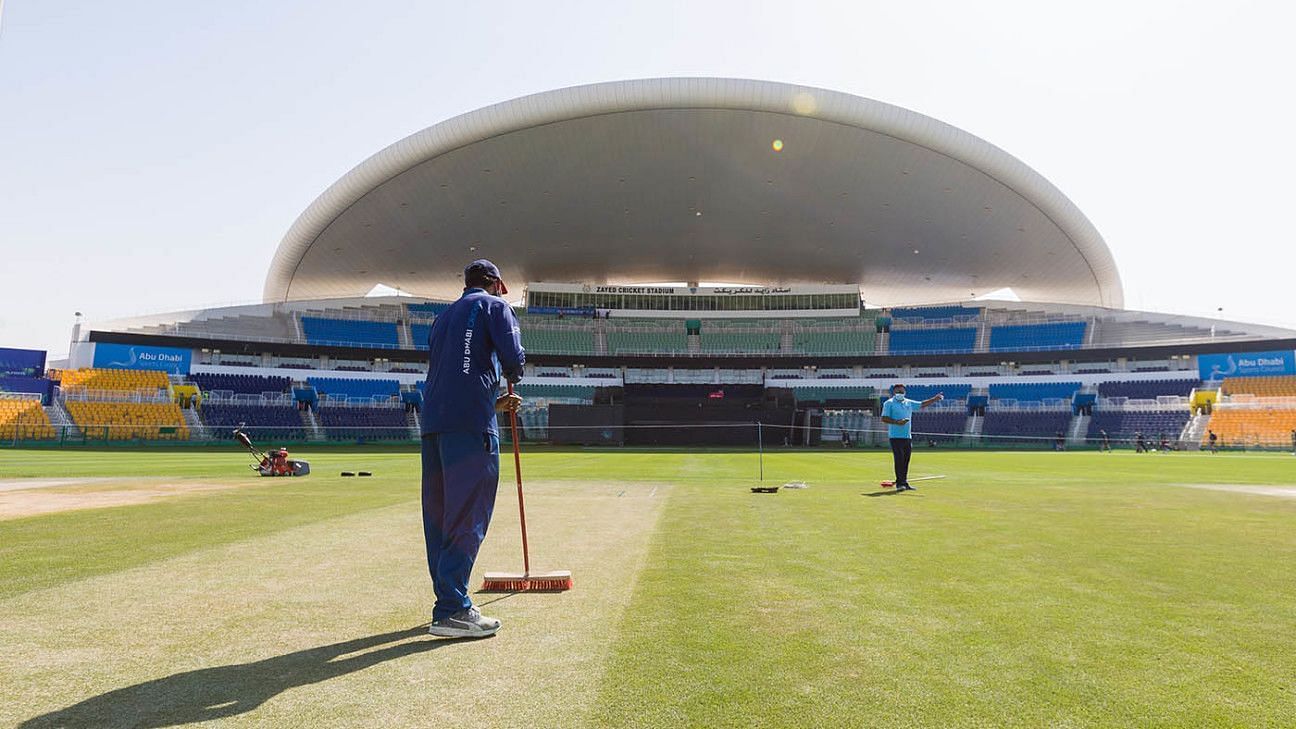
[460, 477]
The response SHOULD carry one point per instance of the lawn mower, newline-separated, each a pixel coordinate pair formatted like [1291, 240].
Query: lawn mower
[274, 463]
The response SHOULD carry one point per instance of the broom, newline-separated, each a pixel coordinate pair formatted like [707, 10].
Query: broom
[555, 581]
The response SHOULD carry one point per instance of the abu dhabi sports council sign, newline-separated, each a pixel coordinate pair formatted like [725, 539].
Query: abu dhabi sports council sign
[1246, 364]
[137, 357]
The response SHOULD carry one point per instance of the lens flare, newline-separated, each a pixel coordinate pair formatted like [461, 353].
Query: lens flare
[777, 145]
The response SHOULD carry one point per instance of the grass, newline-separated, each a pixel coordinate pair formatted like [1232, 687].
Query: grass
[1026, 589]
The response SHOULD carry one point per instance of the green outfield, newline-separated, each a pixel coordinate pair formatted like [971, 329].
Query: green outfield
[1025, 589]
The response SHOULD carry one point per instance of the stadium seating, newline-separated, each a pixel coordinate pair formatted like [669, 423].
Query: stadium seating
[1033, 391]
[1279, 386]
[427, 310]
[831, 337]
[364, 423]
[829, 394]
[1058, 335]
[928, 313]
[940, 426]
[919, 341]
[108, 379]
[128, 420]
[1029, 426]
[1146, 389]
[24, 418]
[349, 332]
[532, 390]
[1259, 427]
[346, 387]
[240, 384]
[419, 334]
[740, 342]
[643, 340]
[955, 391]
[263, 422]
[553, 338]
[1121, 425]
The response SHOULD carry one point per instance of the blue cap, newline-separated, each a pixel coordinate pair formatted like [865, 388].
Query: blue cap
[483, 267]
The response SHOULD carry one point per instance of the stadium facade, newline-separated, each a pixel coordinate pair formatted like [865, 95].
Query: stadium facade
[689, 252]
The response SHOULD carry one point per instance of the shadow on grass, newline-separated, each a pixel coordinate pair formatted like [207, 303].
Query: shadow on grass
[225, 691]
[888, 492]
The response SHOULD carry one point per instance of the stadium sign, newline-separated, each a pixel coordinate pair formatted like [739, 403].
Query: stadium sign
[634, 290]
[137, 357]
[1246, 364]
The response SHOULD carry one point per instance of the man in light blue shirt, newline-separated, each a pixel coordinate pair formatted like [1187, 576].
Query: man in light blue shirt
[897, 413]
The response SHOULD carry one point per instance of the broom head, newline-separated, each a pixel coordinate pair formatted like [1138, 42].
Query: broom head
[555, 581]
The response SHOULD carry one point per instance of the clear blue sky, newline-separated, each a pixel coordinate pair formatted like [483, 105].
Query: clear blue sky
[153, 154]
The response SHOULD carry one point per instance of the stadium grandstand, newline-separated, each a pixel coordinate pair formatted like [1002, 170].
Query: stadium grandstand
[702, 275]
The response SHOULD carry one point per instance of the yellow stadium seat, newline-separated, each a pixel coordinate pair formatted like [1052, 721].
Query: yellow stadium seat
[109, 379]
[1246, 427]
[24, 419]
[129, 420]
[1273, 386]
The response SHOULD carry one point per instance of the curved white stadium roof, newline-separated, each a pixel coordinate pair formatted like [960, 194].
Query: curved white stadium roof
[678, 180]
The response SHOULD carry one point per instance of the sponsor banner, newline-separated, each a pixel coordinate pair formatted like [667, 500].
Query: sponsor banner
[142, 357]
[1246, 364]
[22, 362]
[31, 385]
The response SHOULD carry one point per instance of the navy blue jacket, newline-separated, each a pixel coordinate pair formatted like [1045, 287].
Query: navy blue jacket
[471, 343]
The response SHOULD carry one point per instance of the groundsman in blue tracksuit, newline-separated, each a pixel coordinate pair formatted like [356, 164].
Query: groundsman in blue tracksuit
[472, 343]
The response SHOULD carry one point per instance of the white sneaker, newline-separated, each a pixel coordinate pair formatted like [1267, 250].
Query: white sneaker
[468, 623]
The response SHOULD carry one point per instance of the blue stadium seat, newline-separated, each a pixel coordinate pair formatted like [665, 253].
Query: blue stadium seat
[419, 334]
[1027, 337]
[347, 332]
[1147, 389]
[265, 423]
[940, 426]
[954, 391]
[345, 387]
[934, 312]
[428, 310]
[239, 384]
[918, 341]
[1012, 426]
[362, 423]
[1121, 425]
[1033, 391]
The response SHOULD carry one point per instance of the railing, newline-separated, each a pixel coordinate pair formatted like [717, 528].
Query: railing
[351, 401]
[85, 394]
[1161, 402]
[228, 397]
[1256, 402]
[1158, 342]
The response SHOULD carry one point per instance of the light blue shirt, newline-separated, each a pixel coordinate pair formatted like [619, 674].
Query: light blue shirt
[900, 410]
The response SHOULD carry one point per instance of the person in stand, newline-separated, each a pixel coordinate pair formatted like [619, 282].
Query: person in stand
[471, 344]
[897, 413]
